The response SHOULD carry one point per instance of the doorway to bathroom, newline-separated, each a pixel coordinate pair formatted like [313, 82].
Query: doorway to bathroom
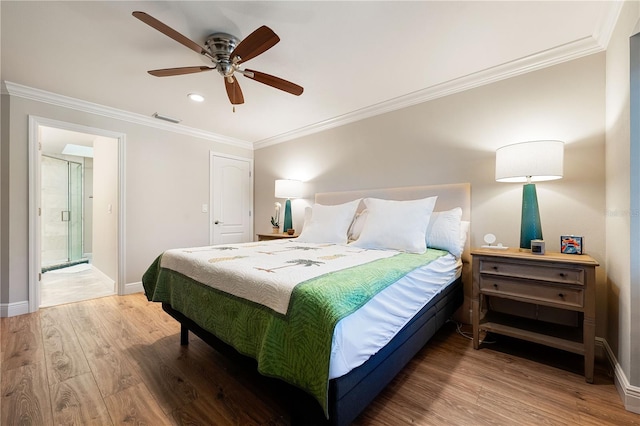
[78, 225]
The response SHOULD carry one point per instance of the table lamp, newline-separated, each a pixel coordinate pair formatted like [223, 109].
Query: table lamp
[288, 188]
[530, 162]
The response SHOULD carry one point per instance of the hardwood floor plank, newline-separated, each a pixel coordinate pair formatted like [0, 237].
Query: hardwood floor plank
[82, 316]
[202, 411]
[25, 396]
[139, 320]
[596, 413]
[437, 380]
[217, 381]
[22, 341]
[136, 405]
[168, 386]
[404, 408]
[53, 315]
[111, 367]
[77, 401]
[555, 381]
[523, 410]
[507, 394]
[63, 353]
[136, 341]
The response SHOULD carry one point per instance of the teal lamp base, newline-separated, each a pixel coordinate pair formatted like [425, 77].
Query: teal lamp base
[530, 228]
[288, 224]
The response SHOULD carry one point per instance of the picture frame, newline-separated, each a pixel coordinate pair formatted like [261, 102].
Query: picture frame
[571, 244]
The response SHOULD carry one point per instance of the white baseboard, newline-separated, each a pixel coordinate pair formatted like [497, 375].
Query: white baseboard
[131, 288]
[629, 394]
[102, 274]
[14, 309]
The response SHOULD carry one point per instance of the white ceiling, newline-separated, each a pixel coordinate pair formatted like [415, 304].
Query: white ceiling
[354, 59]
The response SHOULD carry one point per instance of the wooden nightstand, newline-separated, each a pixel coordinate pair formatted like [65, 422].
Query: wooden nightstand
[561, 281]
[267, 237]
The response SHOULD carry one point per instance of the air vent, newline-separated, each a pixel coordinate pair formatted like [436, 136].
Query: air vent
[166, 118]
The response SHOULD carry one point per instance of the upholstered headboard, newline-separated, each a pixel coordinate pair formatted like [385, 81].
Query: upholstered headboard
[449, 196]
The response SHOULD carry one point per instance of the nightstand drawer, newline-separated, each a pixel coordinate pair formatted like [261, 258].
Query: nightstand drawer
[532, 292]
[555, 273]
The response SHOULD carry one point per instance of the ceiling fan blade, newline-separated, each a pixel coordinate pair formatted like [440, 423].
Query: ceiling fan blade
[273, 81]
[168, 72]
[233, 90]
[254, 44]
[169, 32]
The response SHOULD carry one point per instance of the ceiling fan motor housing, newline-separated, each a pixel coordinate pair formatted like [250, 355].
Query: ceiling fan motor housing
[220, 46]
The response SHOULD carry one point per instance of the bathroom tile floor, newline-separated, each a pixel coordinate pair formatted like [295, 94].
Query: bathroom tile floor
[74, 284]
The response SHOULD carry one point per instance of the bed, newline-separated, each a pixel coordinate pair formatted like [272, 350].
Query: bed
[264, 321]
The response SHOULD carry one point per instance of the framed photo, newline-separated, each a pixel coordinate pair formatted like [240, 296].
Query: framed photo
[570, 244]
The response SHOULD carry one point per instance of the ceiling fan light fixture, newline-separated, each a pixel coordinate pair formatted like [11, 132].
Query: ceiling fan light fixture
[196, 97]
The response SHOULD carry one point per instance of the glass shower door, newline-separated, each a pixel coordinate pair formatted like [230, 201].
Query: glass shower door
[61, 200]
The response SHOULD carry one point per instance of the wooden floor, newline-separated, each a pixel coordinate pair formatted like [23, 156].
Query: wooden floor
[117, 360]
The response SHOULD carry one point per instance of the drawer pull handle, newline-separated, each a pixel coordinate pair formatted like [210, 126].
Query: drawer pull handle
[495, 286]
[561, 295]
[495, 268]
[563, 275]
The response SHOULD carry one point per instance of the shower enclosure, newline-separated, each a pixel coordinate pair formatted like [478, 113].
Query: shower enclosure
[61, 213]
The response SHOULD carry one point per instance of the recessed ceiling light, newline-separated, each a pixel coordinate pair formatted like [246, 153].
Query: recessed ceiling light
[195, 97]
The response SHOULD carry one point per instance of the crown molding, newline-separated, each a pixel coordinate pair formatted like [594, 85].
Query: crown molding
[607, 23]
[567, 52]
[39, 95]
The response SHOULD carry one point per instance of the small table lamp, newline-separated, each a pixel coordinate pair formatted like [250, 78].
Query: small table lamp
[530, 162]
[287, 188]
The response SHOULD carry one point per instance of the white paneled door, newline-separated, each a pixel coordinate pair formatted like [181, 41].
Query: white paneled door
[231, 200]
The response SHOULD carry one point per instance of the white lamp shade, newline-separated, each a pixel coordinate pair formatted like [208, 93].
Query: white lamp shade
[288, 188]
[536, 160]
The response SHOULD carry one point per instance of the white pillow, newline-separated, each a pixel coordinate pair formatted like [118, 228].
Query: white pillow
[329, 224]
[464, 231]
[397, 225]
[357, 225]
[443, 231]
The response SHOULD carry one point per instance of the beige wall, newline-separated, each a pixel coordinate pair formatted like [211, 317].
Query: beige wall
[167, 182]
[623, 333]
[87, 203]
[453, 139]
[105, 206]
[5, 127]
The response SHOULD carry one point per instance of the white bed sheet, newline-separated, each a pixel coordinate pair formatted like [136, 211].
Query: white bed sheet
[362, 334]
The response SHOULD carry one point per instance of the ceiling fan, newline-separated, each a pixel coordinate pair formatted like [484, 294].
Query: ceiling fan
[227, 54]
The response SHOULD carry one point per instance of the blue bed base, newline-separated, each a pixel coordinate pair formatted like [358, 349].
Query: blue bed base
[350, 394]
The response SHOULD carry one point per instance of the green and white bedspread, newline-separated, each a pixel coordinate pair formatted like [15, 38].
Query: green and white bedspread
[291, 340]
